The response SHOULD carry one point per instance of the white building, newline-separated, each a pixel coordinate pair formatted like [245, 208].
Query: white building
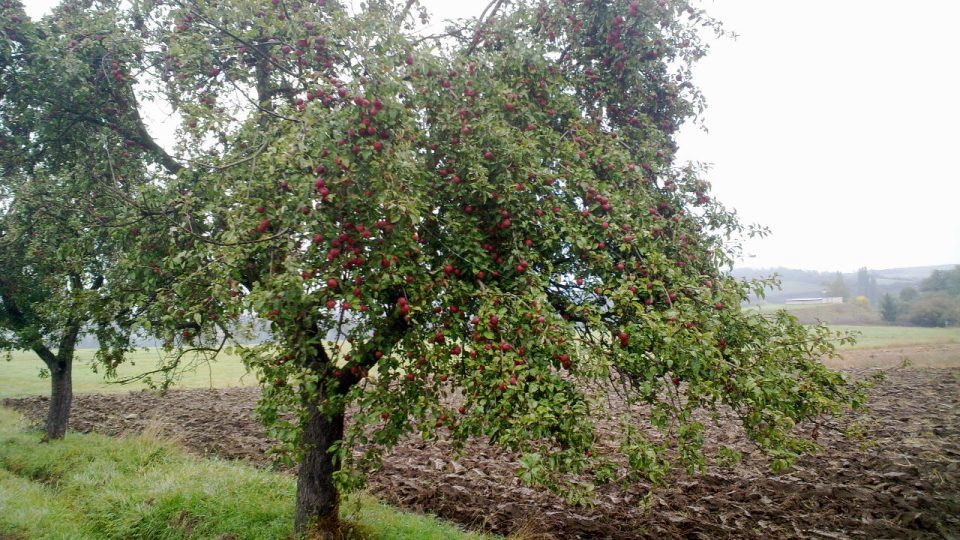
[818, 300]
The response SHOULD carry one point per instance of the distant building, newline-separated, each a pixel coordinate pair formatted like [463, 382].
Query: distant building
[818, 300]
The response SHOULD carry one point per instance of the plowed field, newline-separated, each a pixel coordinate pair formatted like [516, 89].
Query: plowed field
[900, 481]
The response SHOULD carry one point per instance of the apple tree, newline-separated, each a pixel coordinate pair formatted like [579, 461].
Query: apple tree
[72, 152]
[474, 234]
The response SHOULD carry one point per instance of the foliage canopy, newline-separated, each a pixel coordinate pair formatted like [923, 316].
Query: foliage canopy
[482, 233]
[64, 179]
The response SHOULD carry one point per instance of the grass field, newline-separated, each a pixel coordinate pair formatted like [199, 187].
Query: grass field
[20, 376]
[873, 333]
[872, 337]
[91, 486]
[845, 314]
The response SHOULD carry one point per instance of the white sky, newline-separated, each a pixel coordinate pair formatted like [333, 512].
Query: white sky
[833, 122]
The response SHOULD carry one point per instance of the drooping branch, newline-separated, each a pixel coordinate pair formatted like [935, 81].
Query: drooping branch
[175, 364]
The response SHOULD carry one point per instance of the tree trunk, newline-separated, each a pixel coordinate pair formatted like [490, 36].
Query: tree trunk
[61, 396]
[318, 502]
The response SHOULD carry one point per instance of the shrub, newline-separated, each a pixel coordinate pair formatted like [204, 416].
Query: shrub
[935, 310]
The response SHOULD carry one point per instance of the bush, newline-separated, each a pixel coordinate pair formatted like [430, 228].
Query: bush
[889, 308]
[935, 310]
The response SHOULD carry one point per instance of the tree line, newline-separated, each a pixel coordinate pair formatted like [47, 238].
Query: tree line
[936, 302]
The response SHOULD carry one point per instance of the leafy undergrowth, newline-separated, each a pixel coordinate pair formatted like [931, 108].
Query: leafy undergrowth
[92, 486]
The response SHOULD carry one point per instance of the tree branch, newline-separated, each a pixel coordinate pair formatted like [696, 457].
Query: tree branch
[385, 338]
[406, 11]
[482, 22]
[68, 343]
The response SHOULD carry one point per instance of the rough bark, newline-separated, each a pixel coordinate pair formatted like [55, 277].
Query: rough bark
[61, 378]
[318, 501]
[61, 397]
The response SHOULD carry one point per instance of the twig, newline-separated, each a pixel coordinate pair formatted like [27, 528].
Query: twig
[482, 23]
[406, 11]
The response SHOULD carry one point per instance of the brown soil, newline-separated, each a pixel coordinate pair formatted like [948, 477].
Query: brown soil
[901, 481]
[922, 356]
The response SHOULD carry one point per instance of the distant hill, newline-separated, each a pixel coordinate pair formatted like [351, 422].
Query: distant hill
[798, 283]
[913, 273]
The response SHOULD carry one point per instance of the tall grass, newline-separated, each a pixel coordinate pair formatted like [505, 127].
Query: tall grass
[91, 486]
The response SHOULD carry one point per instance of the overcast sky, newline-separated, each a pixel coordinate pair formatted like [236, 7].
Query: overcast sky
[833, 122]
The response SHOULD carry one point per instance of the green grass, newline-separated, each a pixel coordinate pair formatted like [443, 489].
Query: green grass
[899, 336]
[20, 376]
[91, 486]
[873, 334]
